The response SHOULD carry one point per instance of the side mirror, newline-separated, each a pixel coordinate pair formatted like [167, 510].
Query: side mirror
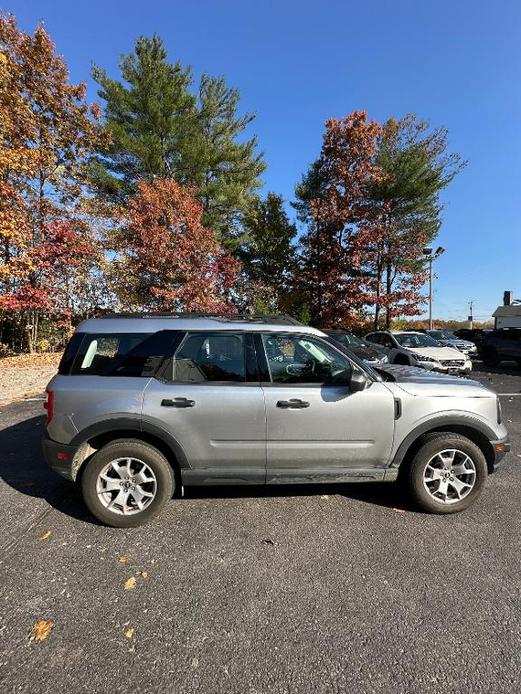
[358, 381]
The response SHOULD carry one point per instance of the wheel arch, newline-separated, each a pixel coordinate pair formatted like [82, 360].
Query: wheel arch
[94, 437]
[474, 430]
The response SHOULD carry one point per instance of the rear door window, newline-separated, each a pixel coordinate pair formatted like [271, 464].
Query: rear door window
[217, 357]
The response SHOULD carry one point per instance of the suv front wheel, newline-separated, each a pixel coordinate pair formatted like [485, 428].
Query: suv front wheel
[126, 483]
[447, 473]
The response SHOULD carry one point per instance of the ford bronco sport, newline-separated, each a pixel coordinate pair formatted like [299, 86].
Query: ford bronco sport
[142, 405]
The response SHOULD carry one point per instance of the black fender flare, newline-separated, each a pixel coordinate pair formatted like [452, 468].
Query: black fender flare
[439, 423]
[128, 424]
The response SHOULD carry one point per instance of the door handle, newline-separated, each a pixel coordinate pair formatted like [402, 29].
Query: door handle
[177, 402]
[293, 404]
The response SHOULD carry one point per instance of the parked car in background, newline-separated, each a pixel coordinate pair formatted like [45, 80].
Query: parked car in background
[449, 339]
[144, 405]
[417, 349]
[371, 354]
[474, 335]
[501, 345]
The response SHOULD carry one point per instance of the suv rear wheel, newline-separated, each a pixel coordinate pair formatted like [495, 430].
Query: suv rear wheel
[447, 473]
[126, 483]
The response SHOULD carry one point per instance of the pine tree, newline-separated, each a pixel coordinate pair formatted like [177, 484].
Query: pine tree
[406, 203]
[267, 251]
[151, 119]
[159, 128]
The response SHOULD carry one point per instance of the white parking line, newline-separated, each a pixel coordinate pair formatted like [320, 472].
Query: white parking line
[509, 395]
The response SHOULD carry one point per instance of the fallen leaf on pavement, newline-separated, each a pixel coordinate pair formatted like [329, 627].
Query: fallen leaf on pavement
[123, 560]
[399, 510]
[130, 583]
[46, 535]
[143, 574]
[129, 633]
[325, 497]
[41, 629]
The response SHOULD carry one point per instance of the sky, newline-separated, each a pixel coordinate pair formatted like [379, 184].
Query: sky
[456, 63]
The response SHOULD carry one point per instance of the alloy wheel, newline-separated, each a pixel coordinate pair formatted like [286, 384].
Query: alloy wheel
[449, 476]
[126, 486]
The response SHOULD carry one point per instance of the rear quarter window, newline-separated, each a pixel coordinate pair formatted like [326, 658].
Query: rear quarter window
[96, 355]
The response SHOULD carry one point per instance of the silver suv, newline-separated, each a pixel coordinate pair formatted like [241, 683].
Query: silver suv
[143, 405]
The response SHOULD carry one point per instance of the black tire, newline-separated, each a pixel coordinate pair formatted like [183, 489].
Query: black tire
[518, 362]
[402, 359]
[490, 357]
[435, 443]
[123, 448]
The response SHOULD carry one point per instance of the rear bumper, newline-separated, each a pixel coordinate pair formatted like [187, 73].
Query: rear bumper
[60, 457]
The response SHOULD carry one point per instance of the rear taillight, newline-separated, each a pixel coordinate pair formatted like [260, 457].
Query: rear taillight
[49, 405]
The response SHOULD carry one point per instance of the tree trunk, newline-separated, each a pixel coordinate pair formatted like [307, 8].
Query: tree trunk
[388, 287]
[377, 305]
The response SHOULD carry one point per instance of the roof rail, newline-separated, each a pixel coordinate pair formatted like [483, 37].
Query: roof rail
[279, 319]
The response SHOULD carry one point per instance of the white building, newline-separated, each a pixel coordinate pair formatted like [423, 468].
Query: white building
[508, 315]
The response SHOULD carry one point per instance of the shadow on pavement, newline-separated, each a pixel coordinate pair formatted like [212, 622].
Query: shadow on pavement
[22, 467]
[503, 369]
[386, 494]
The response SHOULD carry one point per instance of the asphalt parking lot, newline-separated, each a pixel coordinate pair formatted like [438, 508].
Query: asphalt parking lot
[308, 589]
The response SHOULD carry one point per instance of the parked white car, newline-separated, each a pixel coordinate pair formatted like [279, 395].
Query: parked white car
[418, 349]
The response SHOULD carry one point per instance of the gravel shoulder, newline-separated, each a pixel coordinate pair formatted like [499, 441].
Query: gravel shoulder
[26, 375]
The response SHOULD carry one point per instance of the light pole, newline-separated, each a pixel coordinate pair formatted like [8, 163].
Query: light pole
[431, 256]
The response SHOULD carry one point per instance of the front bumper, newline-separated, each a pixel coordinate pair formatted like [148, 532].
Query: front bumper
[442, 368]
[60, 457]
[500, 448]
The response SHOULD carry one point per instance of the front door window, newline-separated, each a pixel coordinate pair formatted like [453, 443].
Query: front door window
[301, 359]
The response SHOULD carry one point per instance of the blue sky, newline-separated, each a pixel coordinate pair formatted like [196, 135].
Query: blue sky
[299, 62]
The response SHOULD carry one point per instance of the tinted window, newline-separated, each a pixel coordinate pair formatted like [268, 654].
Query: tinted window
[145, 358]
[70, 353]
[347, 339]
[375, 339]
[387, 341]
[415, 340]
[97, 354]
[211, 356]
[300, 359]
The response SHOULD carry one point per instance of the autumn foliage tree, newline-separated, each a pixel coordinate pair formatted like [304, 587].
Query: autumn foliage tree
[167, 260]
[47, 129]
[333, 202]
[371, 203]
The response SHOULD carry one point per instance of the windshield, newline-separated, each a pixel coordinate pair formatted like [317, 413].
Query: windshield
[442, 335]
[414, 340]
[347, 339]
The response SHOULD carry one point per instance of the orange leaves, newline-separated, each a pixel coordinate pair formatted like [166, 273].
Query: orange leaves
[172, 260]
[130, 583]
[46, 129]
[42, 629]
